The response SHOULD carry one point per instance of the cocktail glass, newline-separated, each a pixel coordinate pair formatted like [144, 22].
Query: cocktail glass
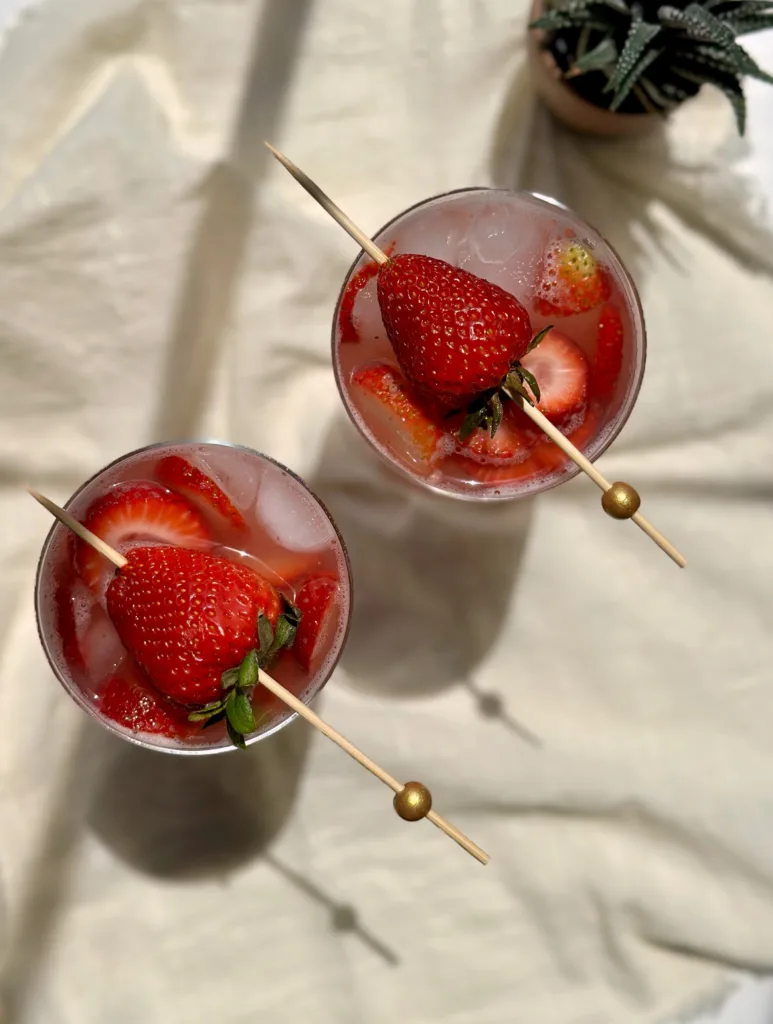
[285, 534]
[501, 236]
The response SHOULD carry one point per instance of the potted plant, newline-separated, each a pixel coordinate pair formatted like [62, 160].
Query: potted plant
[613, 67]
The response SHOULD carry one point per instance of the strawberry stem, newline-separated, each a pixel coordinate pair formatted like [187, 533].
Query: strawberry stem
[486, 409]
[239, 682]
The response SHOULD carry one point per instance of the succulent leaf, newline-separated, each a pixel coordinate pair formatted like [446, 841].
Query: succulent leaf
[634, 52]
[633, 77]
[644, 55]
[603, 55]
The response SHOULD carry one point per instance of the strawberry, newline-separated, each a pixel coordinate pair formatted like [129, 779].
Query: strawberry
[503, 473]
[571, 279]
[608, 360]
[549, 456]
[453, 333]
[457, 337]
[127, 700]
[562, 372]
[133, 512]
[200, 626]
[392, 402]
[181, 476]
[511, 444]
[316, 603]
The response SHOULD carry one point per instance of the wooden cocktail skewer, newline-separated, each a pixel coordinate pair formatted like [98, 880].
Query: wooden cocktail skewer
[412, 801]
[619, 500]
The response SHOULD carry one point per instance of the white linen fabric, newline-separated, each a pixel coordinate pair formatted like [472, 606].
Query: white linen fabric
[596, 719]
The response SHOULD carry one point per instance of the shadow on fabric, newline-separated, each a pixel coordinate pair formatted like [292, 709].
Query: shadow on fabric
[229, 192]
[188, 817]
[691, 164]
[434, 576]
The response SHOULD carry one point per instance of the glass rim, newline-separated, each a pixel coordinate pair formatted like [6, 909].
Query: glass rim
[86, 705]
[626, 408]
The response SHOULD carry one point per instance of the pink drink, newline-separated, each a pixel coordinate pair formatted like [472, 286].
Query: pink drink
[509, 239]
[255, 512]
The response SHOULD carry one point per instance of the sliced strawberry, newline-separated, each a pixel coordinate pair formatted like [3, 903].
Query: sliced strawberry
[608, 360]
[571, 280]
[389, 405]
[561, 371]
[496, 473]
[316, 603]
[129, 701]
[513, 441]
[135, 512]
[549, 456]
[181, 476]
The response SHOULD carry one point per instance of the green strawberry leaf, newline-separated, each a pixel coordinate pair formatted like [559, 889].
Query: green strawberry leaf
[239, 712]
[531, 380]
[286, 628]
[265, 634]
[205, 713]
[248, 671]
[471, 422]
[496, 414]
[235, 737]
[214, 719]
[229, 678]
[513, 383]
[536, 340]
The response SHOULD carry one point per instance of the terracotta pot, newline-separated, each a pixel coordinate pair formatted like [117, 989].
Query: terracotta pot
[564, 103]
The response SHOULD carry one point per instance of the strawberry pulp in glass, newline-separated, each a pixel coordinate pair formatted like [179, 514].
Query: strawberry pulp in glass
[589, 366]
[221, 500]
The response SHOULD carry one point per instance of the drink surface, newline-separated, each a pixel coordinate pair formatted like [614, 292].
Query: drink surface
[224, 501]
[589, 366]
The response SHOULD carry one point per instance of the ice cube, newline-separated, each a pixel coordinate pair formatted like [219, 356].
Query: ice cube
[367, 315]
[102, 650]
[434, 230]
[236, 472]
[285, 511]
[83, 603]
[504, 246]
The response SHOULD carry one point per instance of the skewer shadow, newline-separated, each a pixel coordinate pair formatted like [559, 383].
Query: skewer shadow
[180, 818]
[492, 705]
[228, 195]
[344, 918]
[434, 576]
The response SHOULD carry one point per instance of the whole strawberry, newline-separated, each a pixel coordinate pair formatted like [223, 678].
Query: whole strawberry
[571, 279]
[455, 335]
[200, 626]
